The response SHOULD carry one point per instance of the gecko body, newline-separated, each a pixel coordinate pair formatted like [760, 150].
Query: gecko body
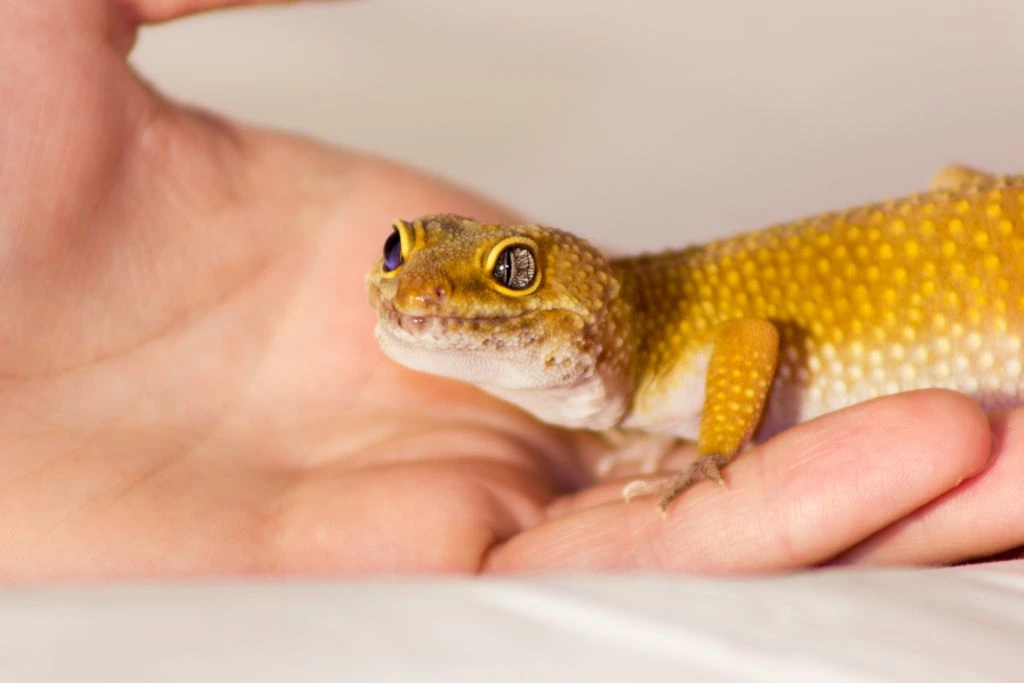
[725, 342]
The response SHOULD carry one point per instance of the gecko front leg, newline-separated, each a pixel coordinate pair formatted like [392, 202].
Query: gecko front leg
[742, 366]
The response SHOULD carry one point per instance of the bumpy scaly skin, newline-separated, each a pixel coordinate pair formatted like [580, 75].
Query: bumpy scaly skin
[562, 348]
[759, 331]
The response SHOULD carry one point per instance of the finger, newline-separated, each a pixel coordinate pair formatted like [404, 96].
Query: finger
[151, 11]
[982, 517]
[797, 500]
[409, 518]
[609, 489]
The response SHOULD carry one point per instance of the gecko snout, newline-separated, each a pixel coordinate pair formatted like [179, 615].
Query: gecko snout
[422, 296]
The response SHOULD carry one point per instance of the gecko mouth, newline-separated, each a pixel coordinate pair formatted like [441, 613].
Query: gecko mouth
[418, 323]
[488, 334]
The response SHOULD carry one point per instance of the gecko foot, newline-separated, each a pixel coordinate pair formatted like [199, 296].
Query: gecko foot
[707, 467]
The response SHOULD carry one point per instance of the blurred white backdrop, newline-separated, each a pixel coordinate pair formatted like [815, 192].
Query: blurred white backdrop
[643, 124]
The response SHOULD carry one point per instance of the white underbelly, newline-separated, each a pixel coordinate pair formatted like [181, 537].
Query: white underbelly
[989, 370]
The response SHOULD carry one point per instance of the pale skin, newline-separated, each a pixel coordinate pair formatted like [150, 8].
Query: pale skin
[189, 385]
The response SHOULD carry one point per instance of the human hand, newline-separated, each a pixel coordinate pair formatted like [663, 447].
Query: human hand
[189, 384]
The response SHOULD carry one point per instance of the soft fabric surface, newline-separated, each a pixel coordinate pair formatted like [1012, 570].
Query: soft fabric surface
[946, 624]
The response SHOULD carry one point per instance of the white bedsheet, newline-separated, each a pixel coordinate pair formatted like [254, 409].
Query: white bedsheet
[958, 624]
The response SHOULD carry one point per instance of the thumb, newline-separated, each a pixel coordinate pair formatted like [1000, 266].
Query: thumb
[151, 11]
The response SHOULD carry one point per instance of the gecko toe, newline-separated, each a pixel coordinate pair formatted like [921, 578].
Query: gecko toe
[706, 467]
[640, 488]
[711, 467]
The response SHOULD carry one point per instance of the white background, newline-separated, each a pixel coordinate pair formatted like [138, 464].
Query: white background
[642, 124]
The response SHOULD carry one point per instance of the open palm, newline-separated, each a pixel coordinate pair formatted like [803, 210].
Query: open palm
[189, 384]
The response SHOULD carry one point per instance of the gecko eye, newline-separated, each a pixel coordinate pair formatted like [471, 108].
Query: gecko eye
[515, 268]
[393, 251]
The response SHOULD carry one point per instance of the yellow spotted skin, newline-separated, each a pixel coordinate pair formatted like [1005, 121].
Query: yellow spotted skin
[924, 291]
[735, 339]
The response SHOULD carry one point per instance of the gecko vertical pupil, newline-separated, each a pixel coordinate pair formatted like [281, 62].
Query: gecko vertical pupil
[392, 251]
[515, 268]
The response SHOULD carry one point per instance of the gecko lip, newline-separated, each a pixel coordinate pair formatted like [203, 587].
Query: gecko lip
[472, 334]
[414, 322]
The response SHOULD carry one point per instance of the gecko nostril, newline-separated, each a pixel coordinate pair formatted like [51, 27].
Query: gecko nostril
[422, 295]
[432, 297]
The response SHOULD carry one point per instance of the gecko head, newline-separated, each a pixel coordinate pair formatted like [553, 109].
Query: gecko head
[501, 306]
